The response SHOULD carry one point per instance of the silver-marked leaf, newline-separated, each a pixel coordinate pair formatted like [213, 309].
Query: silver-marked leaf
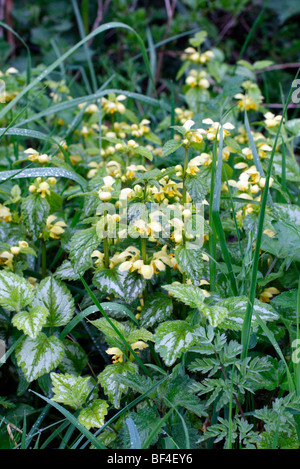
[133, 286]
[39, 356]
[112, 388]
[139, 334]
[82, 244]
[172, 339]
[35, 210]
[157, 309]
[16, 292]
[188, 294]
[198, 185]
[74, 359]
[93, 416]
[110, 281]
[215, 314]
[237, 306]
[190, 261]
[69, 389]
[55, 296]
[66, 272]
[31, 322]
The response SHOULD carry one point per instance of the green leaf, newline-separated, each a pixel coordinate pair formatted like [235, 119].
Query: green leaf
[39, 356]
[237, 306]
[143, 151]
[188, 294]
[190, 261]
[157, 309]
[172, 339]
[215, 314]
[170, 147]
[133, 286]
[69, 389]
[31, 322]
[55, 296]
[259, 64]
[139, 334]
[35, 211]
[16, 292]
[82, 244]
[74, 359]
[110, 281]
[43, 172]
[198, 185]
[66, 272]
[93, 416]
[103, 325]
[112, 388]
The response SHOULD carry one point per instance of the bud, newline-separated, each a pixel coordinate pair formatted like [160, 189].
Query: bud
[104, 196]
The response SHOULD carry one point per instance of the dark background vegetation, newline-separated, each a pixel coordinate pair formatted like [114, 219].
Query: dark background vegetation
[50, 28]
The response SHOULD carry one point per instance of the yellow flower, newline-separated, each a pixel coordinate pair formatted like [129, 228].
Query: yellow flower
[197, 79]
[6, 258]
[267, 294]
[5, 214]
[56, 229]
[43, 189]
[114, 104]
[269, 233]
[117, 354]
[271, 120]
[215, 128]
[99, 257]
[33, 282]
[139, 345]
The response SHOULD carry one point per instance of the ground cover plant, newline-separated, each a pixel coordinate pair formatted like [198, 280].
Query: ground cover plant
[150, 247]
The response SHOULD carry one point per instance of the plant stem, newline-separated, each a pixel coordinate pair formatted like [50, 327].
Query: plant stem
[185, 165]
[106, 245]
[144, 257]
[44, 259]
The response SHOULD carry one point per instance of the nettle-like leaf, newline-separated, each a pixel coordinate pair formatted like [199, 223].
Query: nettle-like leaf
[190, 261]
[82, 244]
[198, 185]
[66, 272]
[70, 390]
[39, 356]
[110, 281]
[74, 359]
[55, 296]
[215, 314]
[139, 334]
[104, 326]
[133, 286]
[172, 339]
[16, 292]
[143, 151]
[112, 388]
[93, 416]
[170, 147]
[130, 335]
[31, 322]
[157, 309]
[188, 294]
[147, 421]
[237, 306]
[35, 210]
